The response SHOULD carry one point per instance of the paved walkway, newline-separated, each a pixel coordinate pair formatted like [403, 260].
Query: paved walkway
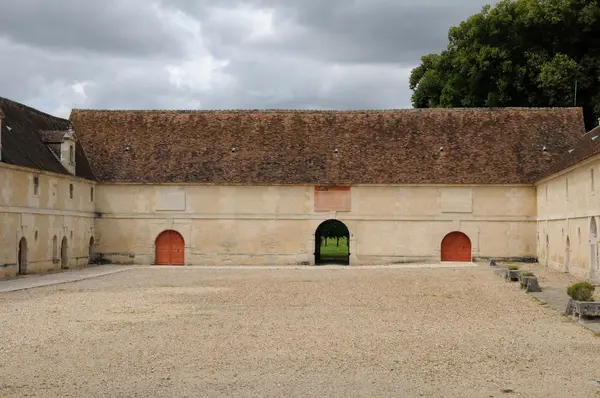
[317, 267]
[554, 290]
[39, 280]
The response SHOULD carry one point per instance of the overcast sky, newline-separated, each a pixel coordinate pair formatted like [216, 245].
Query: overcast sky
[215, 54]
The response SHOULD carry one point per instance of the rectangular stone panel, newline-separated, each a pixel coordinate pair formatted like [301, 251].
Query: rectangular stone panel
[170, 199]
[332, 199]
[457, 200]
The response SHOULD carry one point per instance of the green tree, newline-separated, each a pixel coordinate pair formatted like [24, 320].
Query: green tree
[334, 229]
[518, 53]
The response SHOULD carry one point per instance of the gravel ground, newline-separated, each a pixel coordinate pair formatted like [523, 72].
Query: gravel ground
[291, 332]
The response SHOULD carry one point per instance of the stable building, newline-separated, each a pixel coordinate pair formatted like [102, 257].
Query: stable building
[258, 187]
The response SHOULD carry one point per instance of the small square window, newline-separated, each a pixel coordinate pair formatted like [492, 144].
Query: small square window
[71, 191]
[91, 194]
[36, 185]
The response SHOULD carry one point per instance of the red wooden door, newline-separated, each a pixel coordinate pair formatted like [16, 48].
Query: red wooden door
[169, 248]
[456, 246]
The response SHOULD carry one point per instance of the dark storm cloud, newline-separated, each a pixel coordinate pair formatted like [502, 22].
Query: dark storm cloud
[219, 54]
[109, 26]
[345, 31]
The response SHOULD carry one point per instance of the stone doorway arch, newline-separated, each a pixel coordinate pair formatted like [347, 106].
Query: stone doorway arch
[547, 250]
[91, 251]
[64, 253]
[22, 260]
[329, 251]
[456, 246]
[170, 248]
[567, 253]
[593, 246]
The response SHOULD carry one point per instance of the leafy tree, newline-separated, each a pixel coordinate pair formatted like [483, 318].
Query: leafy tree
[333, 229]
[518, 53]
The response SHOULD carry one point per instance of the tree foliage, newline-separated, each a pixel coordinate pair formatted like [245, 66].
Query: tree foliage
[333, 229]
[518, 53]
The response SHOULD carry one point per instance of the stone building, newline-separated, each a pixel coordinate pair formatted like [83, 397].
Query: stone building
[46, 193]
[253, 187]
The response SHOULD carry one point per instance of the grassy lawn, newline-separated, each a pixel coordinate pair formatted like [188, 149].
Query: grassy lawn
[333, 251]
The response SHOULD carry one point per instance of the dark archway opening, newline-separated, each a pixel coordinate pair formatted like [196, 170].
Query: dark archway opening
[22, 256]
[91, 259]
[332, 243]
[64, 253]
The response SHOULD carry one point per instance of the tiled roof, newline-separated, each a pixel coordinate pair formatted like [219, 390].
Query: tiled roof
[22, 143]
[586, 147]
[442, 146]
[53, 136]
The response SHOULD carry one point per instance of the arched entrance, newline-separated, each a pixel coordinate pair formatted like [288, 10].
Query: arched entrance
[567, 254]
[91, 251]
[593, 245]
[456, 246]
[22, 256]
[170, 248]
[55, 249]
[64, 253]
[332, 243]
[547, 250]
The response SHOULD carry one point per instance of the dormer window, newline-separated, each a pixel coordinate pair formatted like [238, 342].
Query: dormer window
[62, 145]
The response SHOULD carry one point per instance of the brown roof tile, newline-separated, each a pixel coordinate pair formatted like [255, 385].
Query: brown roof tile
[586, 147]
[443, 146]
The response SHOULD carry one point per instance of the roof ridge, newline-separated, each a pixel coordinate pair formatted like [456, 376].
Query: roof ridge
[349, 111]
[34, 110]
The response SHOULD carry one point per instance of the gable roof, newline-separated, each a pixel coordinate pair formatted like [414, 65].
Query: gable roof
[22, 143]
[443, 146]
[587, 146]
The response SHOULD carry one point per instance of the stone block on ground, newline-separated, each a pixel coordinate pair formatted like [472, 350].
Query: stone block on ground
[587, 308]
[512, 275]
[533, 284]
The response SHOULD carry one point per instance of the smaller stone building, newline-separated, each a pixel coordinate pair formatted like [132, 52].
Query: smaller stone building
[47, 198]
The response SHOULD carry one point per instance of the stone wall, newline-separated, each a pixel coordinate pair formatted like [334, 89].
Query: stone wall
[568, 208]
[43, 216]
[277, 224]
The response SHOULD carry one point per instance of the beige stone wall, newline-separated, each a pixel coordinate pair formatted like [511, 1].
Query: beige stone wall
[39, 217]
[276, 224]
[567, 202]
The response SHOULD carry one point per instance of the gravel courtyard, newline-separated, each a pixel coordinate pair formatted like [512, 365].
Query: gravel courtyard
[190, 332]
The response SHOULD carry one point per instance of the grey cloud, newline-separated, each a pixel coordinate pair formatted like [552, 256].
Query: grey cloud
[379, 30]
[176, 54]
[362, 31]
[108, 26]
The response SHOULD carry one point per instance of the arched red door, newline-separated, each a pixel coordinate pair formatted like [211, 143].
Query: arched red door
[170, 248]
[456, 246]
